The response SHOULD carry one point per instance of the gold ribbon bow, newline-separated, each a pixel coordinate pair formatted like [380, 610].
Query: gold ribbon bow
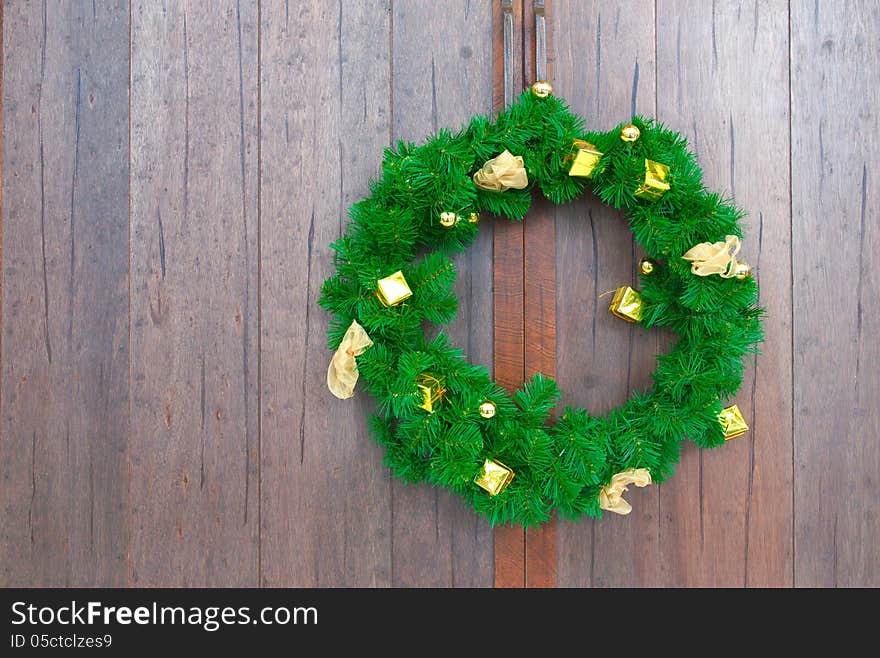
[714, 257]
[342, 374]
[502, 172]
[611, 495]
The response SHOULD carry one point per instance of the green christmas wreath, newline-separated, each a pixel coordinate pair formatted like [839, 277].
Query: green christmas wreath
[444, 420]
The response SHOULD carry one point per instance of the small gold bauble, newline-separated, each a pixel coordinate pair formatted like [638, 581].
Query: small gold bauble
[630, 133]
[487, 409]
[448, 219]
[742, 270]
[474, 218]
[646, 266]
[542, 89]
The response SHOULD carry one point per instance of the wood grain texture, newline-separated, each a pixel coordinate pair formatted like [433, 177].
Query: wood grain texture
[192, 441]
[508, 297]
[605, 68]
[65, 295]
[725, 518]
[194, 446]
[415, 536]
[442, 61]
[326, 116]
[835, 199]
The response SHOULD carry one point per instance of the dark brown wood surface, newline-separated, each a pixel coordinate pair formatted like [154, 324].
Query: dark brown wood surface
[63, 464]
[835, 244]
[173, 173]
[194, 443]
[326, 111]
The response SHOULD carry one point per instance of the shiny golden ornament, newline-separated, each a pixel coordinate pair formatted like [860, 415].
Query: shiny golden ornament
[474, 218]
[493, 477]
[627, 304]
[448, 219]
[392, 290]
[431, 390]
[646, 266]
[542, 89]
[732, 422]
[630, 133]
[585, 160]
[487, 409]
[655, 185]
[743, 271]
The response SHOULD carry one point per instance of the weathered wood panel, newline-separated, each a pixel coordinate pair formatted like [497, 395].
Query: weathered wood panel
[726, 517]
[326, 116]
[604, 66]
[727, 506]
[235, 467]
[194, 451]
[442, 63]
[65, 295]
[834, 202]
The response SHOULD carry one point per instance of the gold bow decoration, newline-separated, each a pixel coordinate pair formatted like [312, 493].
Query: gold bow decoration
[342, 374]
[611, 495]
[503, 172]
[714, 257]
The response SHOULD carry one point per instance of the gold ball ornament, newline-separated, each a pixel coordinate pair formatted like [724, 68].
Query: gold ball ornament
[542, 89]
[487, 409]
[448, 219]
[743, 271]
[474, 218]
[630, 133]
[646, 266]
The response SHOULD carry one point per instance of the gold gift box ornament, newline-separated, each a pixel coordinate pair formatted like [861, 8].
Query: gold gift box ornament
[627, 304]
[732, 422]
[585, 160]
[493, 477]
[431, 390]
[655, 185]
[392, 290]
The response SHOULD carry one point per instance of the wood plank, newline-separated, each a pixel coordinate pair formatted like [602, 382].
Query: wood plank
[539, 298]
[726, 517]
[508, 298]
[604, 56]
[701, 527]
[1, 228]
[194, 451]
[326, 116]
[442, 61]
[834, 206]
[65, 286]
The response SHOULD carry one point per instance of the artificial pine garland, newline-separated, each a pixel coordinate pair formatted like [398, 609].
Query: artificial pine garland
[442, 419]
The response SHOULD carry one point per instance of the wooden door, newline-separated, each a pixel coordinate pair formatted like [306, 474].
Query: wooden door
[172, 175]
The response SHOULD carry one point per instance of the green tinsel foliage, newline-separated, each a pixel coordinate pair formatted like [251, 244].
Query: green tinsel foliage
[559, 465]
